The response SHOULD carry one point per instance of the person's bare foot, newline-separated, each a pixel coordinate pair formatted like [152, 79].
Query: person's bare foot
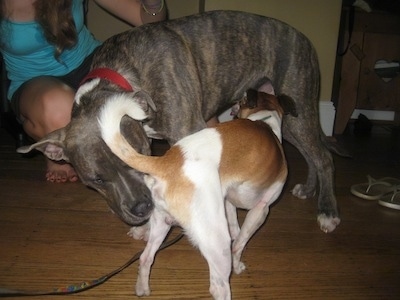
[60, 172]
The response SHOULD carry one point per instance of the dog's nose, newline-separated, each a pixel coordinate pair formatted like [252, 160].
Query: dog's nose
[142, 209]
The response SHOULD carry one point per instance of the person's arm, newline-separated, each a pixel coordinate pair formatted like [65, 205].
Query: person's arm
[136, 12]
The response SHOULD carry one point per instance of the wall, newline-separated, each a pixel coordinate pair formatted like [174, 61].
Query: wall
[318, 20]
[103, 25]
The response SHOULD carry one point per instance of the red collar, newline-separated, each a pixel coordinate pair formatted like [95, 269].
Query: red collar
[110, 75]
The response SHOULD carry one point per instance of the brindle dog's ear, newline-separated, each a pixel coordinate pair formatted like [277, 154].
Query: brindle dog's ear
[144, 100]
[52, 145]
[288, 105]
[251, 96]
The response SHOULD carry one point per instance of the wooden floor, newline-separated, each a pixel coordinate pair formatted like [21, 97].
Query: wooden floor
[53, 235]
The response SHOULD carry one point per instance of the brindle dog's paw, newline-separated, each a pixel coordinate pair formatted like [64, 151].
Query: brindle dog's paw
[327, 224]
[302, 192]
[139, 232]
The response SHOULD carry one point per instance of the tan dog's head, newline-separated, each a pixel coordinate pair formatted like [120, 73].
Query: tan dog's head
[255, 101]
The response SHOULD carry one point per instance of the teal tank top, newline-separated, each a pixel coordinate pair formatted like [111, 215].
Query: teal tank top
[27, 54]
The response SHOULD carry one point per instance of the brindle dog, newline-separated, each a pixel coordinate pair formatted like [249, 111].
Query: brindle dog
[183, 72]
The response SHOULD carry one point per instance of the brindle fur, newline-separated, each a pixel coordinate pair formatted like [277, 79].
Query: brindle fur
[193, 68]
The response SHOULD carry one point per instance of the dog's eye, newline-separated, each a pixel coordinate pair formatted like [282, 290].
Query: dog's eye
[98, 180]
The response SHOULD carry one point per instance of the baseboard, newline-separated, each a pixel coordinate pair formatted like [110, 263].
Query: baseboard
[376, 115]
[326, 115]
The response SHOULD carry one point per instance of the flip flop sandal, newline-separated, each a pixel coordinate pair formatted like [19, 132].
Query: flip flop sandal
[393, 181]
[374, 189]
[391, 200]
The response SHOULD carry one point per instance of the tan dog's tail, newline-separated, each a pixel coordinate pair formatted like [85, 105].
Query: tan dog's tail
[110, 119]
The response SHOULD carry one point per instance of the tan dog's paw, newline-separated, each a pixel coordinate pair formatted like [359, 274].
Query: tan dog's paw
[142, 289]
[239, 267]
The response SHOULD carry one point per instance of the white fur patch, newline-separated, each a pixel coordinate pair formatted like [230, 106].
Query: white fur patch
[84, 88]
[151, 133]
[112, 113]
[272, 118]
[204, 145]
[202, 153]
[328, 224]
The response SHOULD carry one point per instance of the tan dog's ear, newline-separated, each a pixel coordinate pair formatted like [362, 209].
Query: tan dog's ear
[288, 105]
[251, 99]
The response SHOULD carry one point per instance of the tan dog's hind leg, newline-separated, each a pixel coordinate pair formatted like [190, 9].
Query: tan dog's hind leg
[231, 215]
[216, 249]
[254, 219]
[208, 230]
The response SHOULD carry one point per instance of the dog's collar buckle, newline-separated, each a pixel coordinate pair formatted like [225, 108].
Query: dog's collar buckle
[110, 75]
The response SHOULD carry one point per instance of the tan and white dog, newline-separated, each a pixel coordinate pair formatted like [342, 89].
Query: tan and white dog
[240, 161]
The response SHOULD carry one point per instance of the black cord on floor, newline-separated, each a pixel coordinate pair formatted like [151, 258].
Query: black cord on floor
[85, 285]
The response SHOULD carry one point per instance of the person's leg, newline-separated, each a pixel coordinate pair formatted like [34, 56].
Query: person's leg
[45, 105]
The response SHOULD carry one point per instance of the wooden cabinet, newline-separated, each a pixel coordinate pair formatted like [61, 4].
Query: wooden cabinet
[375, 89]
[368, 76]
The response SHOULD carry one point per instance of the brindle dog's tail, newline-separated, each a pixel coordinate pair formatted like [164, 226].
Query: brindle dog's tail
[289, 108]
[110, 119]
[332, 145]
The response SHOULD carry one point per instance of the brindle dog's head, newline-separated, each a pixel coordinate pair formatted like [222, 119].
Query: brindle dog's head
[80, 144]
